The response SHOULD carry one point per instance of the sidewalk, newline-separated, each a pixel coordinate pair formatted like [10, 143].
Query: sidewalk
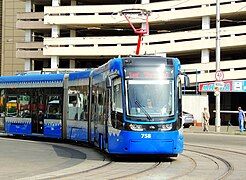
[231, 130]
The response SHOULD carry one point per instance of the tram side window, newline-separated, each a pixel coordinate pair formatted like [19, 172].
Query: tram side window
[84, 115]
[83, 102]
[2, 108]
[53, 108]
[94, 105]
[77, 100]
[100, 104]
[72, 107]
[11, 106]
[117, 96]
[117, 110]
[98, 110]
[24, 104]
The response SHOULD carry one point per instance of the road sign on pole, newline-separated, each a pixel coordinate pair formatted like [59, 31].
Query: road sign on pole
[219, 75]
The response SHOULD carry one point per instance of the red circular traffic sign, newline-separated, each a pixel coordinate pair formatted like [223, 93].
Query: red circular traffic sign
[219, 75]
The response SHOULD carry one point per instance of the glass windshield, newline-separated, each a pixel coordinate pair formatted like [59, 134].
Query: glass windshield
[150, 98]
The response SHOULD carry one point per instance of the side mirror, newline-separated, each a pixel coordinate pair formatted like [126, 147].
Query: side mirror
[108, 82]
[186, 81]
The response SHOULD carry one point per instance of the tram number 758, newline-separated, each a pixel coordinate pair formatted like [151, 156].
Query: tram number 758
[146, 136]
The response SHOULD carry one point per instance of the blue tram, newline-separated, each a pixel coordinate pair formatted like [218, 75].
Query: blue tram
[46, 104]
[135, 106]
[128, 106]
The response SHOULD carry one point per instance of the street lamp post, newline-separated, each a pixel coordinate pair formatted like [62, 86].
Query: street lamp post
[217, 119]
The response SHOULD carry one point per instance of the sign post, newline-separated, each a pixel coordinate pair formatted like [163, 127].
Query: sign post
[219, 76]
[217, 119]
[216, 91]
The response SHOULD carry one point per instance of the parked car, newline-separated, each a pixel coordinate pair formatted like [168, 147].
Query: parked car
[188, 119]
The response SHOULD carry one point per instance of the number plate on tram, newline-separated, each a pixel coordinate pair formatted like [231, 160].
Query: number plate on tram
[146, 136]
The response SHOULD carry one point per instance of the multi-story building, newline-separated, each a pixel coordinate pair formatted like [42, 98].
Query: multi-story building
[83, 34]
[10, 36]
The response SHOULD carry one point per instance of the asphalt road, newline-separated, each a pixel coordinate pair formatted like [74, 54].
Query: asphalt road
[22, 158]
[231, 138]
[220, 140]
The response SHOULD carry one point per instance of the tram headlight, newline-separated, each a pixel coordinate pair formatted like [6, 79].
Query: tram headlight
[166, 127]
[136, 127]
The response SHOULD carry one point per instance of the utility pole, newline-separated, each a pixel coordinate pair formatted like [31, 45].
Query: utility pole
[217, 119]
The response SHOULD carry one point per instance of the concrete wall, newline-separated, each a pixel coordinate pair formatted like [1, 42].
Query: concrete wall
[195, 104]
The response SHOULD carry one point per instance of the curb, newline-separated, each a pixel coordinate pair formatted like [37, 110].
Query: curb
[226, 130]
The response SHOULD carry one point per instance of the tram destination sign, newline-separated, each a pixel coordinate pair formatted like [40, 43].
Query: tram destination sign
[149, 73]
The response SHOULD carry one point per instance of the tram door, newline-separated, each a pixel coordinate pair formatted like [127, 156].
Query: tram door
[37, 111]
[108, 115]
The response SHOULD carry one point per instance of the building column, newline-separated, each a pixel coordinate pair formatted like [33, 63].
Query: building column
[28, 62]
[144, 45]
[28, 6]
[205, 52]
[55, 33]
[72, 61]
[54, 62]
[56, 2]
[205, 22]
[144, 2]
[28, 65]
[73, 2]
[205, 56]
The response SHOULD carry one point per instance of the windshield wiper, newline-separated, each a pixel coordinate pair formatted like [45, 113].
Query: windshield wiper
[143, 109]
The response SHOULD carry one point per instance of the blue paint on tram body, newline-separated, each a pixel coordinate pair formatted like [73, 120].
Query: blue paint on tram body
[130, 105]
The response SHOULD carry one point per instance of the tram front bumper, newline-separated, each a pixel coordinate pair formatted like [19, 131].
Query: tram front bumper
[129, 142]
[151, 146]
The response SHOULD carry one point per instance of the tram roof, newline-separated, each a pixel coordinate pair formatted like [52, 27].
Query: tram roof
[31, 78]
[40, 80]
[34, 80]
[79, 75]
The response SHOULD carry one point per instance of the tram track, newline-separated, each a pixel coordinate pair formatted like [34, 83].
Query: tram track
[194, 163]
[95, 163]
[134, 170]
[214, 163]
[223, 168]
[119, 170]
[138, 173]
[229, 165]
[216, 148]
[69, 175]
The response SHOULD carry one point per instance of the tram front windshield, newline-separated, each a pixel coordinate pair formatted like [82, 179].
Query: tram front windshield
[150, 94]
